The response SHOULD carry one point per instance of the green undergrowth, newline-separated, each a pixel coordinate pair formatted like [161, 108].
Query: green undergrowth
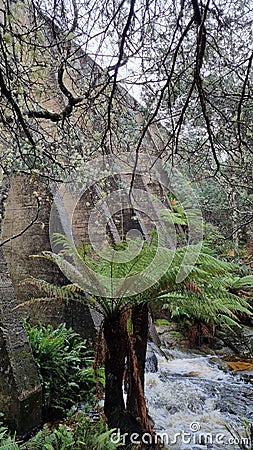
[65, 367]
[78, 433]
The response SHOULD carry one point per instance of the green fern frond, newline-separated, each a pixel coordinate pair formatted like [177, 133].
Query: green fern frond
[31, 302]
[227, 320]
[52, 290]
[66, 244]
[6, 441]
[212, 307]
[9, 445]
[213, 265]
[239, 282]
[177, 218]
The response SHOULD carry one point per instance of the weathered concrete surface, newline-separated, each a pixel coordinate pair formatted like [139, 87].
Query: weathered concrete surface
[20, 389]
[20, 210]
[27, 219]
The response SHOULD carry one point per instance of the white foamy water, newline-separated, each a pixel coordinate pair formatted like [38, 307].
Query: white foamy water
[192, 402]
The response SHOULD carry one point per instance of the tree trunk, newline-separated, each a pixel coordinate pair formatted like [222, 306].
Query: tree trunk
[235, 223]
[137, 346]
[140, 321]
[115, 338]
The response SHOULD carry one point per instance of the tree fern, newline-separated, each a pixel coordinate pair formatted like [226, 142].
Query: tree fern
[209, 274]
[199, 297]
[207, 294]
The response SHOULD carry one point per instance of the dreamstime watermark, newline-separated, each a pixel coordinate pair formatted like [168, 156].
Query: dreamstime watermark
[115, 200]
[194, 436]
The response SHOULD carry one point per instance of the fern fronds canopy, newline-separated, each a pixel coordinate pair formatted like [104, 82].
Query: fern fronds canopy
[204, 293]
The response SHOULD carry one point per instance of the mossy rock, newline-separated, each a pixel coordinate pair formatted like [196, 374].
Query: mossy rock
[162, 322]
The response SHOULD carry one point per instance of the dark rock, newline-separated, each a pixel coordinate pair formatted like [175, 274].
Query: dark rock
[151, 364]
[170, 337]
[225, 352]
[153, 333]
[246, 375]
[240, 340]
[222, 365]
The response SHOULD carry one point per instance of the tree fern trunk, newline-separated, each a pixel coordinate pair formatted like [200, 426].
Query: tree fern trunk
[115, 338]
[137, 346]
[133, 417]
[140, 331]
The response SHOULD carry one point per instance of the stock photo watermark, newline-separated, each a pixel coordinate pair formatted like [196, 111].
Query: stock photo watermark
[192, 436]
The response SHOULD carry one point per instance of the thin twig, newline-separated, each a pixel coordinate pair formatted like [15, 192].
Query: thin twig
[26, 228]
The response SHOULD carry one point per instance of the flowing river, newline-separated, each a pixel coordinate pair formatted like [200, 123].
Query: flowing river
[193, 403]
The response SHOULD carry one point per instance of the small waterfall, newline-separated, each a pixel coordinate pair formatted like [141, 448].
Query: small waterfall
[192, 401]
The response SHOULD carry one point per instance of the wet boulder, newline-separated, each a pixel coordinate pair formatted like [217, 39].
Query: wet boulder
[239, 339]
[151, 364]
